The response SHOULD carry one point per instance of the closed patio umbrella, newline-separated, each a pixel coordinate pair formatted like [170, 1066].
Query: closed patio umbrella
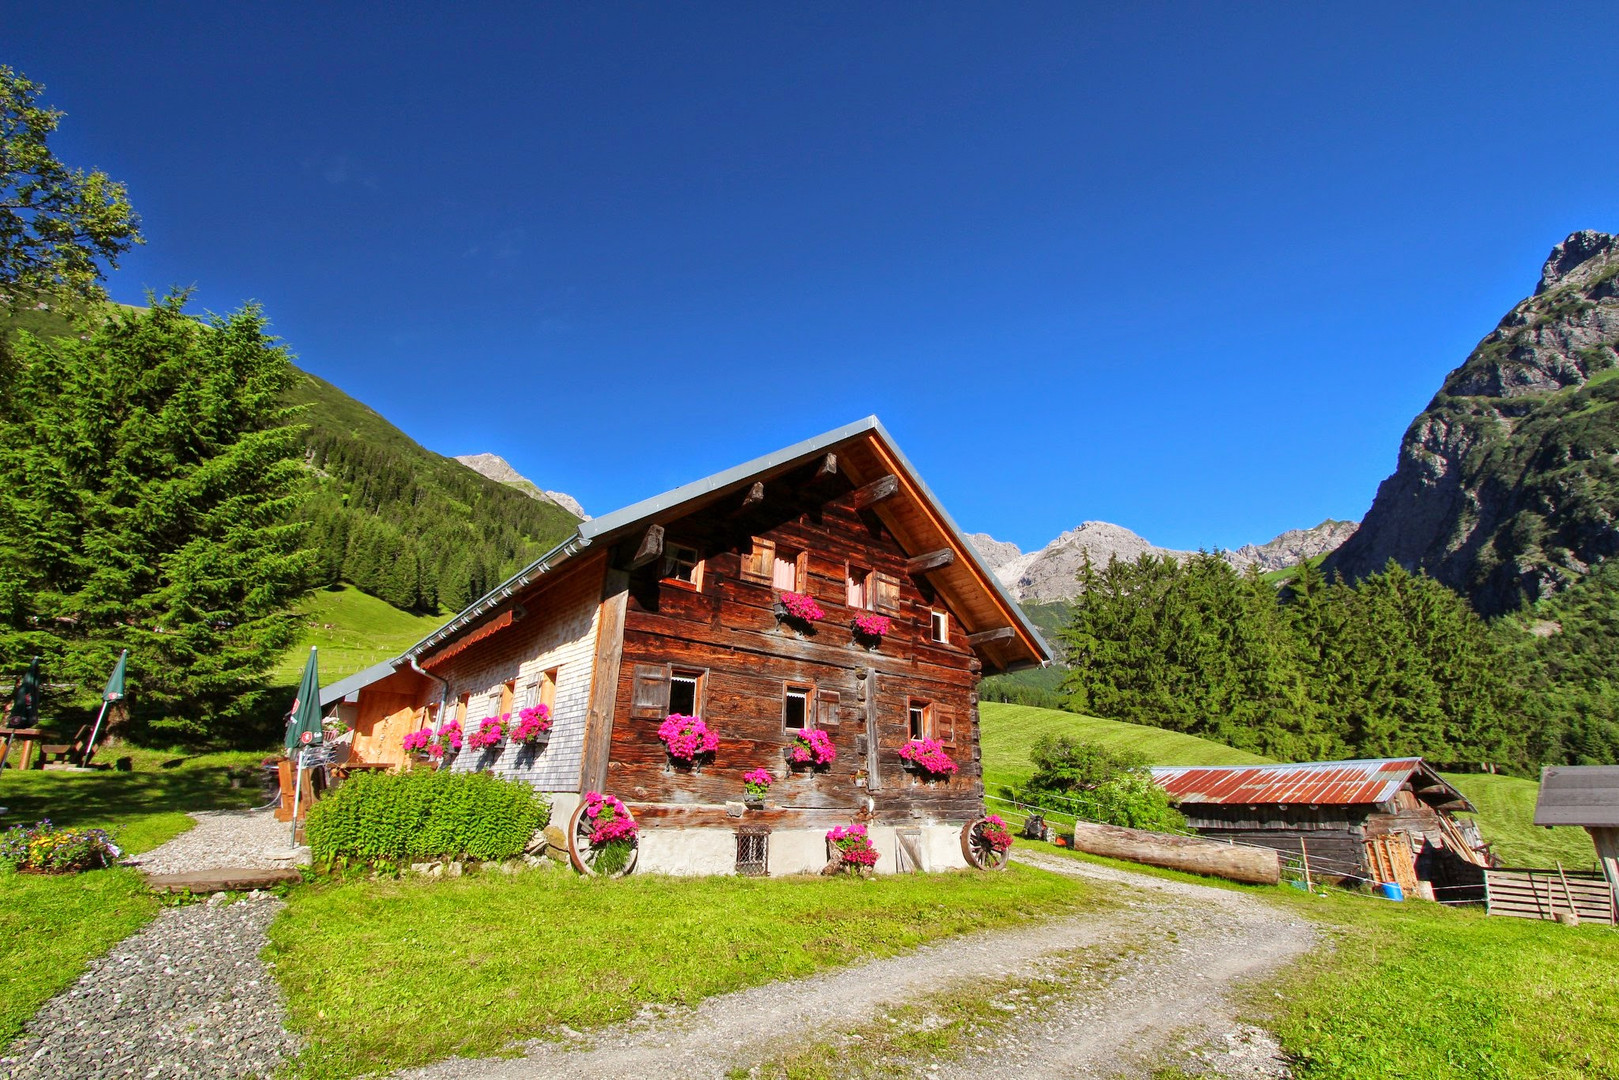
[303, 729]
[114, 692]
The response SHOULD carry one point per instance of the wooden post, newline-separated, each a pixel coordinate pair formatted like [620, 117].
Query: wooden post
[1573, 913]
[1304, 853]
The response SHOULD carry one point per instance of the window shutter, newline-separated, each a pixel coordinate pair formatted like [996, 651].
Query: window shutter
[649, 699]
[887, 599]
[760, 563]
[944, 726]
[826, 707]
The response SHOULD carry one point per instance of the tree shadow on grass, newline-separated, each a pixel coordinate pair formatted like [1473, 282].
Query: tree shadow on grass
[108, 797]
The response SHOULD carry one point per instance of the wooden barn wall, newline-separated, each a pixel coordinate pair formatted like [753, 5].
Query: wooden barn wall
[728, 629]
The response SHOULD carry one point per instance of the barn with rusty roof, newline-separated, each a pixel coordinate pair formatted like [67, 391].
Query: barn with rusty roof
[1381, 819]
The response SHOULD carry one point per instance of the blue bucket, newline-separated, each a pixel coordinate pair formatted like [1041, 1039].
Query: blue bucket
[1391, 890]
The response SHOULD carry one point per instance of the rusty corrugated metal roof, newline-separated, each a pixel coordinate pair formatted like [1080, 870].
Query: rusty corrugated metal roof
[1310, 783]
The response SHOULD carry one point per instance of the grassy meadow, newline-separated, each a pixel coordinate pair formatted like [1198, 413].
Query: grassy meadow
[353, 631]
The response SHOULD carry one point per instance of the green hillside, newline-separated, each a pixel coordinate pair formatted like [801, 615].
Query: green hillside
[1506, 812]
[352, 631]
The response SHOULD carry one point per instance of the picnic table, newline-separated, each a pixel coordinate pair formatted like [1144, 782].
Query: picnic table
[28, 738]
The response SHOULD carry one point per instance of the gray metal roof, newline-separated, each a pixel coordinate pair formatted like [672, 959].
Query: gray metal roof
[1578, 795]
[611, 526]
[358, 681]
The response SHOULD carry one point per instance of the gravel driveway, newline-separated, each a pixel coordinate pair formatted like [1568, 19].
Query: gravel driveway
[1163, 996]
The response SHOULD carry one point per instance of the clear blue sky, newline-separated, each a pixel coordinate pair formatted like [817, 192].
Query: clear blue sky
[1188, 268]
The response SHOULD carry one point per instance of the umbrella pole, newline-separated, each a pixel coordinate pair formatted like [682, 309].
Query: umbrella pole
[297, 789]
[90, 747]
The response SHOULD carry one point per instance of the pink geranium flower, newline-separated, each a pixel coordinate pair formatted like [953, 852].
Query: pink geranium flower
[687, 737]
[929, 755]
[812, 747]
[799, 606]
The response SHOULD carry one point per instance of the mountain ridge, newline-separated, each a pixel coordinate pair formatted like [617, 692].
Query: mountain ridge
[500, 470]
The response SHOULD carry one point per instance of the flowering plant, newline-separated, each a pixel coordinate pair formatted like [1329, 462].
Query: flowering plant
[46, 849]
[872, 625]
[812, 747]
[929, 756]
[996, 834]
[609, 819]
[799, 606]
[687, 737]
[852, 845]
[491, 731]
[417, 742]
[532, 722]
[757, 783]
[447, 739]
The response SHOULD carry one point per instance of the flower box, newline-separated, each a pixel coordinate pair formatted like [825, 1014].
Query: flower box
[491, 732]
[869, 630]
[533, 726]
[812, 748]
[755, 786]
[926, 757]
[798, 610]
[849, 850]
[687, 738]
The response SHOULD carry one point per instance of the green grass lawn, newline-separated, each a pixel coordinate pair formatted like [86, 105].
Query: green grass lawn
[385, 974]
[1506, 812]
[50, 926]
[1007, 732]
[1421, 991]
[353, 631]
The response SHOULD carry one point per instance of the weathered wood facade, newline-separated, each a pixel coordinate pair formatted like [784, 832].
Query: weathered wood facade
[673, 606]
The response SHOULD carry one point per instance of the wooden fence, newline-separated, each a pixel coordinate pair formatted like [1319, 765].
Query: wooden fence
[1546, 894]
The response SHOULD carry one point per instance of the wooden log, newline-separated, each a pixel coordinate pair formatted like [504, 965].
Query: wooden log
[884, 487]
[987, 637]
[222, 880]
[651, 547]
[828, 467]
[933, 560]
[1258, 866]
[755, 495]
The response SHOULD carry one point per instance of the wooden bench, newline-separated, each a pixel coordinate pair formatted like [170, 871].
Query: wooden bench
[71, 752]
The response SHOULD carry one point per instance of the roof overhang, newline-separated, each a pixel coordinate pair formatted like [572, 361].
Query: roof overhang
[1360, 782]
[1579, 795]
[865, 452]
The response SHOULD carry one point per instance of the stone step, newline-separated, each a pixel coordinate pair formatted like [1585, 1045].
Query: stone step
[226, 879]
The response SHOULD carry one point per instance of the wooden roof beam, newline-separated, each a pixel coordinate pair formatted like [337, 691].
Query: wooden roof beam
[884, 487]
[933, 560]
[828, 467]
[755, 495]
[990, 637]
[651, 547]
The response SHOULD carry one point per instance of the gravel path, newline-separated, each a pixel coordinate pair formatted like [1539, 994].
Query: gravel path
[1154, 1002]
[188, 996]
[225, 839]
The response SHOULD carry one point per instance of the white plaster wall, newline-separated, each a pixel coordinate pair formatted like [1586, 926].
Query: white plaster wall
[688, 852]
[558, 632]
[695, 852]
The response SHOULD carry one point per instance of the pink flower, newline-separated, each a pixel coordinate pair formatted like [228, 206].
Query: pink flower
[491, 731]
[532, 722]
[853, 845]
[930, 755]
[812, 747]
[687, 737]
[872, 625]
[448, 738]
[996, 833]
[757, 782]
[609, 819]
[418, 741]
[799, 606]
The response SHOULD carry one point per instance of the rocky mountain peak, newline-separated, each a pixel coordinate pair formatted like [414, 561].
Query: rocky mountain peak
[500, 470]
[1583, 255]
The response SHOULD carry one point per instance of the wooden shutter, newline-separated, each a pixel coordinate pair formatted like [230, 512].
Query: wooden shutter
[826, 708]
[887, 589]
[944, 726]
[649, 699]
[760, 563]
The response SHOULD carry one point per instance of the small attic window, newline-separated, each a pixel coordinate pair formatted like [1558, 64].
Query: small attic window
[938, 626]
[680, 563]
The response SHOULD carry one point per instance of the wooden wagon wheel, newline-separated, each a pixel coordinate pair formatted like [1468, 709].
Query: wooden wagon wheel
[582, 855]
[976, 848]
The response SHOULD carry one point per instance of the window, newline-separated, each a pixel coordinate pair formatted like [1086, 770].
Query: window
[680, 563]
[785, 575]
[508, 694]
[920, 715]
[759, 561]
[753, 851]
[684, 692]
[938, 626]
[858, 586]
[548, 689]
[795, 710]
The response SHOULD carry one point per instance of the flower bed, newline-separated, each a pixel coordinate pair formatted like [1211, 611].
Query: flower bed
[45, 849]
[800, 607]
[533, 725]
[872, 627]
[687, 737]
[491, 732]
[756, 784]
[851, 848]
[927, 755]
[812, 747]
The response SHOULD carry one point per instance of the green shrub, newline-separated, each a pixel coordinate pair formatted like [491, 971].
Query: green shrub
[1097, 784]
[425, 814]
